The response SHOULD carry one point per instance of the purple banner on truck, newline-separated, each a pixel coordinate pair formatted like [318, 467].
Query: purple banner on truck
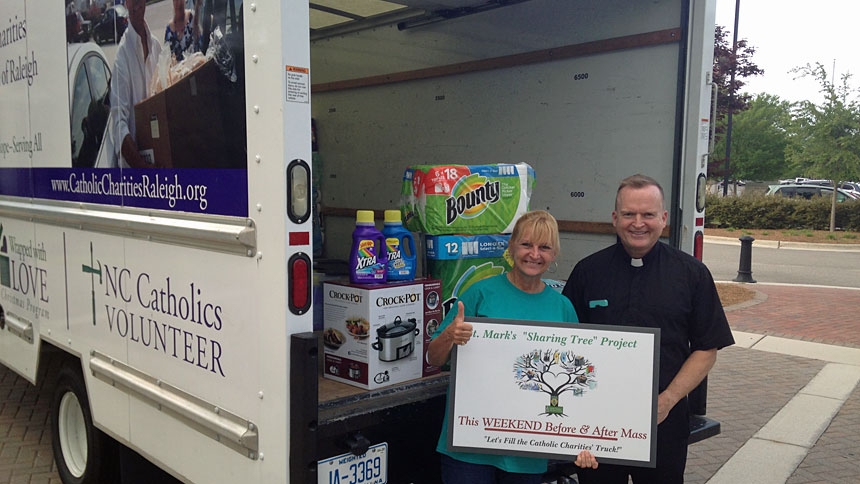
[96, 123]
[206, 191]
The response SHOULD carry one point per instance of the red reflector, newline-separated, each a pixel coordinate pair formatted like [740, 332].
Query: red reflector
[300, 284]
[698, 244]
[300, 238]
[700, 221]
[300, 291]
[299, 273]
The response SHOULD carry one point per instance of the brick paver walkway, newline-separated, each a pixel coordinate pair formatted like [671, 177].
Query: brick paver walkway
[25, 432]
[746, 388]
[819, 314]
[835, 459]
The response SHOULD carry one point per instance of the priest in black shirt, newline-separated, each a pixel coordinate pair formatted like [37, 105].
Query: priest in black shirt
[641, 282]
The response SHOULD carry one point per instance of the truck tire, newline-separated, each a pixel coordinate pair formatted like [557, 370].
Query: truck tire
[84, 455]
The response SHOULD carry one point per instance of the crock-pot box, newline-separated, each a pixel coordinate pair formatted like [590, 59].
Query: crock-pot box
[377, 334]
[462, 260]
[465, 199]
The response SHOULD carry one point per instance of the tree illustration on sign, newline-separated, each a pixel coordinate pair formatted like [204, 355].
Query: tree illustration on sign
[554, 372]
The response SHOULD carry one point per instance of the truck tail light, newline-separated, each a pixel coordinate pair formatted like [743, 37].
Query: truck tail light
[298, 191]
[698, 244]
[299, 275]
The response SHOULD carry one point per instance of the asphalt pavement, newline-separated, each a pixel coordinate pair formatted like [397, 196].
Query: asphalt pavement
[786, 262]
[786, 395]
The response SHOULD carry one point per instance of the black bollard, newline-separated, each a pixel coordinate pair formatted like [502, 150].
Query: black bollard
[745, 264]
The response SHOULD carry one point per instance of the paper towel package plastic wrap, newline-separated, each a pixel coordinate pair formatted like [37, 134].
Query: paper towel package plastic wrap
[465, 199]
[462, 260]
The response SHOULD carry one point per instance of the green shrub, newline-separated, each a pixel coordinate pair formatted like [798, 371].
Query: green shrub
[779, 213]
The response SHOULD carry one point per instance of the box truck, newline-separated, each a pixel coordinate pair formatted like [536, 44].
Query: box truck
[180, 295]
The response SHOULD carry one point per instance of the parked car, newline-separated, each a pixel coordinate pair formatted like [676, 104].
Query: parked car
[111, 25]
[77, 29]
[89, 92]
[789, 181]
[846, 185]
[852, 186]
[823, 183]
[808, 191]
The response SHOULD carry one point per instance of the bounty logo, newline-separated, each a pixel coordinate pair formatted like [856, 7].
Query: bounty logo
[5, 269]
[470, 197]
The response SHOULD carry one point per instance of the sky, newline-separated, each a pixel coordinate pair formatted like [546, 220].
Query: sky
[792, 33]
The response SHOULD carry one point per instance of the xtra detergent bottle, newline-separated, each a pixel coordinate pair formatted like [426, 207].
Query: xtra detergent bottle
[368, 257]
[401, 248]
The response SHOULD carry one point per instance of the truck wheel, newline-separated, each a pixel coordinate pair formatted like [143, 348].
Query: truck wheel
[84, 455]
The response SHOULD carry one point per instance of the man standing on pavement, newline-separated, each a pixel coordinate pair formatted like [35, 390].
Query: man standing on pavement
[135, 65]
[640, 282]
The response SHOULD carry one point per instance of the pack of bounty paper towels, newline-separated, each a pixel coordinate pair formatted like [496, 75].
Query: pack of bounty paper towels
[466, 212]
[465, 199]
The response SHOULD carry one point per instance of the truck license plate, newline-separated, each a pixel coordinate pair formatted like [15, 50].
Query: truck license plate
[370, 468]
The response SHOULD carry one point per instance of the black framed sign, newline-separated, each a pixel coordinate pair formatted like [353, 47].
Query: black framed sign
[553, 389]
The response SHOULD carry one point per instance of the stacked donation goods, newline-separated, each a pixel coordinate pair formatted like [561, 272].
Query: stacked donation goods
[466, 213]
[375, 334]
[376, 324]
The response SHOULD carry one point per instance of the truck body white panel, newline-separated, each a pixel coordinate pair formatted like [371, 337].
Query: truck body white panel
[23, 276]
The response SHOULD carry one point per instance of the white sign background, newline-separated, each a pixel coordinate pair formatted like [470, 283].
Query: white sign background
[614, 417]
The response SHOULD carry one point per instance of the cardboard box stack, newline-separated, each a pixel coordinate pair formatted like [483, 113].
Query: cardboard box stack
[182, 126]
[376, 334]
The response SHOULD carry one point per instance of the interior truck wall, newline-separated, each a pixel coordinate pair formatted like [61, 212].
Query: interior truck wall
[583, 122]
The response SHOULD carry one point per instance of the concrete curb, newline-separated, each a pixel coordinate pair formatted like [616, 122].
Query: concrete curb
[787, 438]
[781, 244]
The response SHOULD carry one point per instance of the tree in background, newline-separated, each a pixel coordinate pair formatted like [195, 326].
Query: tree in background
[759, 139]
[724, 61]
[825, 138]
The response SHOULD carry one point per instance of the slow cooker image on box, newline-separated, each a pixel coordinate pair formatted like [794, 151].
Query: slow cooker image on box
[396, 340]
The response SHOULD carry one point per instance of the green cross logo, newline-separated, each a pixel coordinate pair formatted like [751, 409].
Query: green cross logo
[5, 268]
[92, 271]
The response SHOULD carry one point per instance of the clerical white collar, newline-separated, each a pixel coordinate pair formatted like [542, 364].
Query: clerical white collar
[636, 262]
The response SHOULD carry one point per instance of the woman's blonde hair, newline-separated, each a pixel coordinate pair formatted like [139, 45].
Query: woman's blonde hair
[542, 226]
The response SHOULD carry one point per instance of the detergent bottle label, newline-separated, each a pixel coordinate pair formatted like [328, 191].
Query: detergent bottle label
[395, 256]
[366, 259]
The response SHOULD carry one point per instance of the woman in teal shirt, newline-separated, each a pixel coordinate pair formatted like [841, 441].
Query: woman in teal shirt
[518, 294]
